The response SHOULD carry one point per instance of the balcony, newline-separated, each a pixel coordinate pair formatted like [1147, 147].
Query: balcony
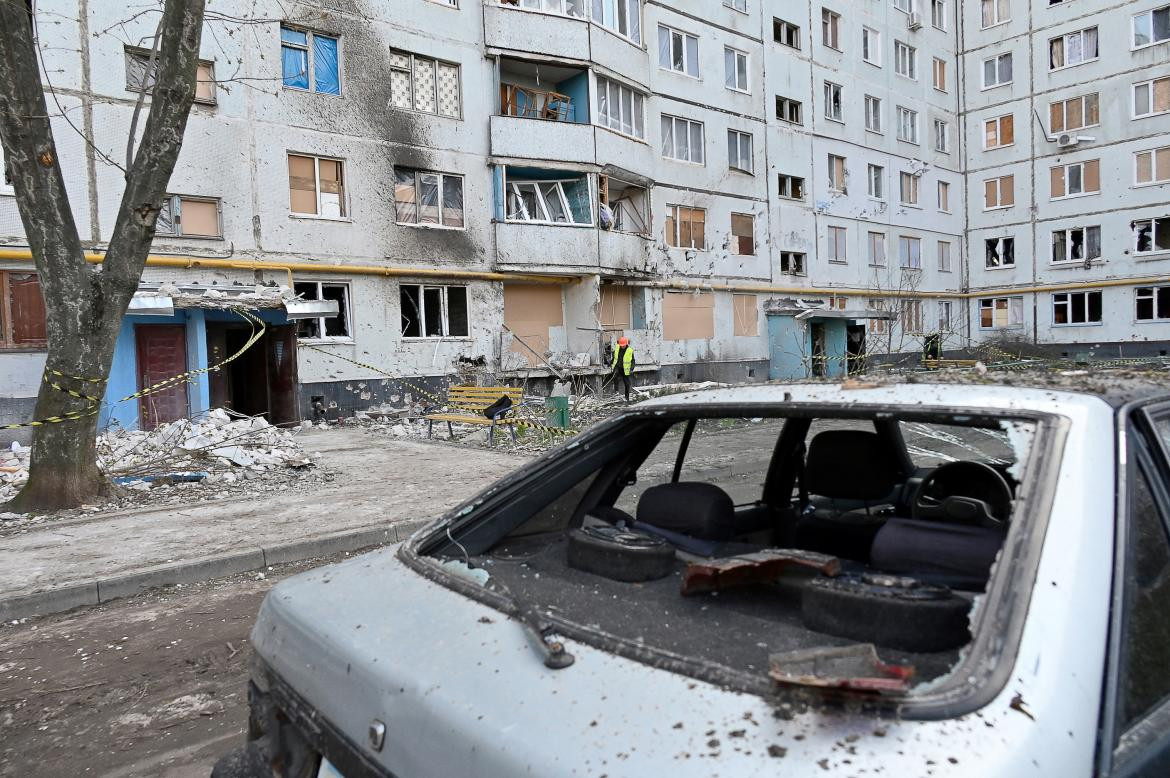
[522, 26]
[543, 113]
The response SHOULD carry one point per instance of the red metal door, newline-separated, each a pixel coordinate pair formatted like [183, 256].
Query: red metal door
[162, 354]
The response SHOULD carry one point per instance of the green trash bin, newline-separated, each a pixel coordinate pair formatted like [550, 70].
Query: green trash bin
[556, 412]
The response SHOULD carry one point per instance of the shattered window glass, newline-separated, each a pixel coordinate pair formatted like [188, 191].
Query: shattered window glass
[931, 444]
[411, 311]
[336, 326]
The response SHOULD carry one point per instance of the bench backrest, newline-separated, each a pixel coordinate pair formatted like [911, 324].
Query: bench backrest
[480, 397]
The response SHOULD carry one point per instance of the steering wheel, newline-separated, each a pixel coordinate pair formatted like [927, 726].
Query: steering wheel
[965, 493]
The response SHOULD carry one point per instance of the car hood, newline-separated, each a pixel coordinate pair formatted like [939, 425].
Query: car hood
[461, 689]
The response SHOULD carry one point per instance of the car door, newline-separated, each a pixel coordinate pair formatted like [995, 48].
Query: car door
[1135, 733]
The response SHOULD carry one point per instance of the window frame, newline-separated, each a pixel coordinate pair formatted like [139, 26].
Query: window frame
[1149, 12]
[944, 136]
[1081, 164]
[875, 181]
[996, 6]
[1001, 245]
[418, 173]
[445, 309]
[674, 214]
[938, 74]
[1064, 38]
[872, 102]
[1154, 154]
[905, 60]
[788, 102]
[702, 148]
[793, 258]
[791, 179]
[999, 190]
[1002, 56]
[1094, 97]
[908, 113]
[1153, 220]
[871, 46]
[836, 244]
[1068, 244]
[310, 60]
[835, 185]
[174, 198]
[139, 53]
[739, 136]
[787, 30]
[1067, 300]
[912, 259]
[637, 107]
[737, 55]
[876, 240]
[943, 196]
[831, 29]
[1151, 84]
[343, 200]
[908, 193]
[734, 237]
[1155, 292]
[436, 62]
[947, 266]
[1012, 303]
[347, 316]
[687, 38]
[513, 186]
[998, 122]
[938, 19]
[833, 94]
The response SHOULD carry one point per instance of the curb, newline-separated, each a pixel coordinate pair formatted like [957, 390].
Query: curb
[102, 590]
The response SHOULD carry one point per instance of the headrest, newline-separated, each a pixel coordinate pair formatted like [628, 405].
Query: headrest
[691, 508]
[850, 465]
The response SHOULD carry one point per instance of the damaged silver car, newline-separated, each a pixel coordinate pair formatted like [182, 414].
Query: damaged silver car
[816, 579]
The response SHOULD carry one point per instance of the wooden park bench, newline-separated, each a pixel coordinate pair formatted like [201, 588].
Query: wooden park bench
[467, 405]
[935, 364]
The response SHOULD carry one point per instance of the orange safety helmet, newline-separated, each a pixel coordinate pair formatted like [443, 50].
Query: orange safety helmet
[623, 341]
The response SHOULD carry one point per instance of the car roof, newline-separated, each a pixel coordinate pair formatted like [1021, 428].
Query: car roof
[1032, 389]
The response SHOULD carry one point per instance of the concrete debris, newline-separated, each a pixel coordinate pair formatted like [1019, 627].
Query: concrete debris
[218, 444]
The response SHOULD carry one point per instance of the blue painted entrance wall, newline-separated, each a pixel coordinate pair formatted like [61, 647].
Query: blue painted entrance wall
[790, 346]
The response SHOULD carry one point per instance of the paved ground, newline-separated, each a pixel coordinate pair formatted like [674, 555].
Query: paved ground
[380, 480]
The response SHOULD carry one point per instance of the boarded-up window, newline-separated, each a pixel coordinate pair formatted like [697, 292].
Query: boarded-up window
[1153, 165]
[316, 186]
[140, 75]
[1077, 178]
[529, 311]
[614, 308]
[686, 227]
[743, 240]
[22, 311]
[205, 83]
[688, 315]
[746, 316]
[188, 217]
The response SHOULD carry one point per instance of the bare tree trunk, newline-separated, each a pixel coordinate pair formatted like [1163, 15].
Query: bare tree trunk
[84, 304]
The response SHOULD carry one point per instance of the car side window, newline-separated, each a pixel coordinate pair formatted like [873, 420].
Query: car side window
[1145, 631]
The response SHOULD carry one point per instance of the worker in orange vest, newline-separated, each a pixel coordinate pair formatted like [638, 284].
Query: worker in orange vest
[623, 364]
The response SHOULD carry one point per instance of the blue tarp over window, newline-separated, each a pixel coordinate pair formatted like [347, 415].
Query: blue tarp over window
[326, 73]
[294, 60]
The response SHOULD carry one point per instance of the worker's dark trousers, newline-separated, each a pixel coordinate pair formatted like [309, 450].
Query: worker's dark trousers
[625, 379]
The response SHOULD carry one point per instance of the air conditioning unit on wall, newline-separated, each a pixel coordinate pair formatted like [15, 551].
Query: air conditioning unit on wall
[1067, 140]
[914, 21]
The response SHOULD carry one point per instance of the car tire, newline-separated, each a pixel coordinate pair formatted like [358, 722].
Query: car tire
[620, 555]
[889, 611]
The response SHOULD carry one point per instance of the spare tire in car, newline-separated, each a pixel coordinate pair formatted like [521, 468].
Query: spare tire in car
[890, 611]
[619, 554]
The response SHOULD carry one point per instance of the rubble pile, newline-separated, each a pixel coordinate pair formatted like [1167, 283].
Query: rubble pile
[216, 449]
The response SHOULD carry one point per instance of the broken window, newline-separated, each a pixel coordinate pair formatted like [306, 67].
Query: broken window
[942, 136]
[831, 29]
[566, 201]
[620, 108]
[835, 244]
[623, 207]
[574, 8]
[1076, 244]
[427, 198]
[310, 61]
[1076, 308]
[686, 227]
[871, 46]
[940, 74]
[433, 311]
[837, 173]
[910, 252]
[188, 217]
[743, 239]
[688, 315]
[877, 249]
[944, 196]
[999, 252]
[878, 326]
[424, 85]
[1001, 312]
[791, 187]
[786, 33]
[334, 327]
[22, 311]
[1153, 303]
[1075, 113]
[875, 181]
[682, 139]
[945, 315]
[316, 186]
[739, 151]
[908, 188]
[1153, 166]
[1072, 48]
[907, 125]
[529, 102]
[833, 102]
[1151, 235]
[999, 131]
[678, 51]
[140, 75]
[997, 70]
[1150, 27]
[1151, 97]
[999, 192]
[789, 110]
[792, 262]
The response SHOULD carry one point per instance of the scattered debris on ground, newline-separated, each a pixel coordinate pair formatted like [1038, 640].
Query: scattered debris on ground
[216, 456]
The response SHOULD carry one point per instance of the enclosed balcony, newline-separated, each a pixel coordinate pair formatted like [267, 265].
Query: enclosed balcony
[543, 113]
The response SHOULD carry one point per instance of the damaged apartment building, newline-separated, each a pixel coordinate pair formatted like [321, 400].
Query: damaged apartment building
[744, 188]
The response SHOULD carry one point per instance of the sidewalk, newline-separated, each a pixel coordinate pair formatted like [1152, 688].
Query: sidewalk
[384, 489]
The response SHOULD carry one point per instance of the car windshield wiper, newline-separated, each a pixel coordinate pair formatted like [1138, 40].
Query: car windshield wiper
[544, 636]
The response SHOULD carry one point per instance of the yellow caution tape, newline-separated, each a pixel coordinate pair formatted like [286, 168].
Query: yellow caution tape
[378, 370]
[95, 402]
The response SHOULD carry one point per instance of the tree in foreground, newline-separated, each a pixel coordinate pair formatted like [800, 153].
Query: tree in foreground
[84, 303]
